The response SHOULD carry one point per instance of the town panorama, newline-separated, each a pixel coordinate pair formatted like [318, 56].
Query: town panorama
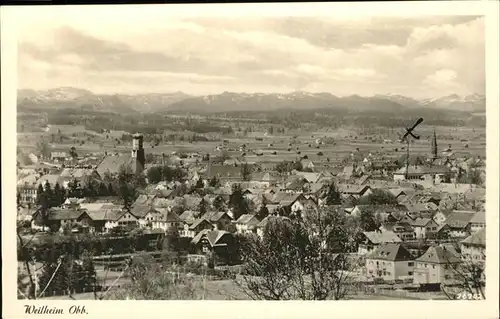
[263, 159]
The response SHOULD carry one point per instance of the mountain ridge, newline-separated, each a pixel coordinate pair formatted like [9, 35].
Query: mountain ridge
[68, 97]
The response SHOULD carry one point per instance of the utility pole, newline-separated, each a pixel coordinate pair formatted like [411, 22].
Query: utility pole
[409, 132]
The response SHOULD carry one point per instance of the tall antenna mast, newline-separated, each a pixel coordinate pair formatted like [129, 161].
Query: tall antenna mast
[406, 137]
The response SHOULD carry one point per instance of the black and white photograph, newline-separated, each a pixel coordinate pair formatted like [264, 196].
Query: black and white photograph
[258, 157]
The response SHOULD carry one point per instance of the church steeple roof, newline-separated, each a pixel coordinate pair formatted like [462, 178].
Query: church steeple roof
[434, 150]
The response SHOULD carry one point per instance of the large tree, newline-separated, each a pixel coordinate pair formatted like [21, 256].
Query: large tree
[219, 204]
[44, 202]
[237, 202]
[367, 220]
[378, 197]
[214, 182]
[155, 174]
[149, 281]
[246, 172]
[59, 195]
[72, 152]
[306, 258]
[43, 148]
[333, 195]
[202, 206]
[127, 188]
[75, 189]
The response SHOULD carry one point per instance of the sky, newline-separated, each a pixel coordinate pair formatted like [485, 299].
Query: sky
[153, 51]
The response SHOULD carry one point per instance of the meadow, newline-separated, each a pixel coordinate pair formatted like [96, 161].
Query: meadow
[294, 145]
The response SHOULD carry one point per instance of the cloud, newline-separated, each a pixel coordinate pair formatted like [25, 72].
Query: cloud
[443, 80]
[441, 76]
[409, 56]
[358, 72]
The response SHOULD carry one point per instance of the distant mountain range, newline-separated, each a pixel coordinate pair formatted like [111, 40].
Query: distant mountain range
[67, 97]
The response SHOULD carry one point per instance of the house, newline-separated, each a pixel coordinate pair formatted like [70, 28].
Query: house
[59, 218]
[417, 197]
[219, 220]
[477, 222]
[397, 192]
[100, 217]
[224, 173]
[80, 174]
[421, 210]
[307, 164]
[440, 216]
[27, 192]
[434, 175]
[313, 177]
[165, 193]
[424, 227]
[473, 248]
[73, 202]
[121, 219]
[144, 200]
[197, 226]
[355, 190]
[224, 194]
[403, 230]
[385, 212]
[296, 183]
[246, 223]
[318, 189]
[389, 261]
[475, 197]
[188, 217]
[259, 228]
[457, 223]
[266, 178]
[111, 164]
[144, 214]
[164, 219]
[347, 172]
[373, 239]
[435, 266]
[218, 242]
[58, 156]
[290, 202]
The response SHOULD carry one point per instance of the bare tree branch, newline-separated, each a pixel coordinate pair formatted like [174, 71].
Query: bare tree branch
[52, 277]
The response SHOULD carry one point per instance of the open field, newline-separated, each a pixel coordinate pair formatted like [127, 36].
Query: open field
[303, 143]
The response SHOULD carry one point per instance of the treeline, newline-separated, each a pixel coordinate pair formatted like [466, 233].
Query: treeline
[132, 122]
[327, 117]
[54, 196]
[51, 248]
[165, 173]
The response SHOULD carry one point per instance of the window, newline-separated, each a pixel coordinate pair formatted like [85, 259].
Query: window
[410, 264]
[433, 266]
[433, 228]
[410, 273]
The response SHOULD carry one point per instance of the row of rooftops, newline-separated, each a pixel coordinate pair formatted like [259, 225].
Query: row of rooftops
[397, 252]
[436, 254]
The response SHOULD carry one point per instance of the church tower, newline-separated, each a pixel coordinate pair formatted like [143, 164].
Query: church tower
[434, 147]
[138, 157]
